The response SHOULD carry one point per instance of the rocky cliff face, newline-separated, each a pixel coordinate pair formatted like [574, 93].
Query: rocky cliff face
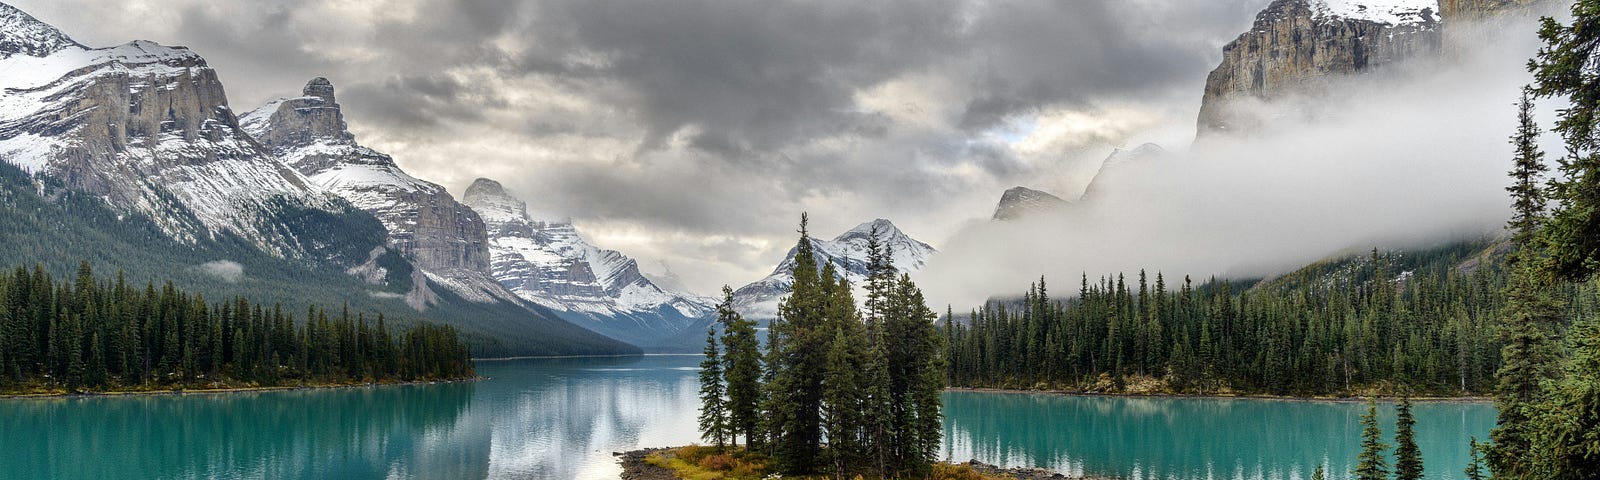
[1018, 202]
[1467, 10]
[148, 127]
[1296, 45]
[547, 262]
[424, 222]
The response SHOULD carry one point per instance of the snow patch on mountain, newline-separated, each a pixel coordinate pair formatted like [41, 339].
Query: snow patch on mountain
[147, 127]
[549, 263]
[1389, 12]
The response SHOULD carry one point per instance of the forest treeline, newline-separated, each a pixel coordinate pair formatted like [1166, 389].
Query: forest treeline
[1366, 326]
[93, 334]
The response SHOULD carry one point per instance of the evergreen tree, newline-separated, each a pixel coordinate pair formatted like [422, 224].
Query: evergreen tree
[1532, 315]
[797, 344]
[1566, 437]
[713, 407]
[842, 400]
[1562, 69]
[1407, 458]
[1372, 463]
[1318, 473]
[742, 370]
[1474, 469]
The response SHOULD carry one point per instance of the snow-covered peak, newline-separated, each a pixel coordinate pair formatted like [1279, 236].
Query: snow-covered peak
[550, 263]
[1389, 12]
[884, 229]
[20, 33]
[492, 202]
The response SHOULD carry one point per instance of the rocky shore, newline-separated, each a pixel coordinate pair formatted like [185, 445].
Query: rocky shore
[634, 467]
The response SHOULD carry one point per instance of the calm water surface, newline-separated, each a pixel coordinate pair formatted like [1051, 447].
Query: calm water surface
[563, 418]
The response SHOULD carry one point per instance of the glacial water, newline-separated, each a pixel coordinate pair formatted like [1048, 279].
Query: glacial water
[563, 418]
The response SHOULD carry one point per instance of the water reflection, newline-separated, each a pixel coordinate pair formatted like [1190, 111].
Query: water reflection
[350, 433]
[562, 419]
[1157, 438]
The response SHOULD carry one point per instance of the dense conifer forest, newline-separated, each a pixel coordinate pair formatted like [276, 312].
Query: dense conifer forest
[1419, 323]
[96, 334]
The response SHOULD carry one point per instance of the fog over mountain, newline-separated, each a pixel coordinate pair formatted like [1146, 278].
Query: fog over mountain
[1412, 155]
[694, 133]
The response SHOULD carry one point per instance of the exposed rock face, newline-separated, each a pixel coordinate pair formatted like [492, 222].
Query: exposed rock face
[148, 128]
[424, 222]
[547, 262]
[847, 252]
[1295, 45]
[1457, 10]
[1018, 202]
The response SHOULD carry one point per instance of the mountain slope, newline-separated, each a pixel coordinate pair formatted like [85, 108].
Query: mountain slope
[444, 237]
[148, 127]
[1018, 202]
[130, 157]
[41, 222]
[547, 262]
[848, 253]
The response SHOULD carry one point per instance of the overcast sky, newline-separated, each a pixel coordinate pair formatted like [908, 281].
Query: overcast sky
[692, 133]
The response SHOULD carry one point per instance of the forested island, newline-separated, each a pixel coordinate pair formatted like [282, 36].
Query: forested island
[104, 335]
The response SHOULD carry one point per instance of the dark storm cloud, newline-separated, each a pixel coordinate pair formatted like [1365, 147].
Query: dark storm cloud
[708, 116]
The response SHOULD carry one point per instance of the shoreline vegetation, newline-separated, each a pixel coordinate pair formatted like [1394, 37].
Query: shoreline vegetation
[704, 463]
[1227, 396]
[92, 334]
[225, 389]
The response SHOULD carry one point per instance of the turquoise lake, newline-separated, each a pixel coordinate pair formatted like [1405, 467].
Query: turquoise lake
[562, 418]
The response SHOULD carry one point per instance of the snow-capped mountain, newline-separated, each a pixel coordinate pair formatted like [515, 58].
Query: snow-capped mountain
[848, 253]
[148, 128]
[445, 238]
[547, 262]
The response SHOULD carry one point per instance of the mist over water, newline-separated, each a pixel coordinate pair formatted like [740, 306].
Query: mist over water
[1410, 156]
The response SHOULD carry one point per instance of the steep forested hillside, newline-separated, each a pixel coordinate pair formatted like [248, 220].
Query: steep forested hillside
[1396, 322]
[57, 228]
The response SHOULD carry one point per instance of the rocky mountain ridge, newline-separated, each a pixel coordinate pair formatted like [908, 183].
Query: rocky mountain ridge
[546, 261]
[447, 240]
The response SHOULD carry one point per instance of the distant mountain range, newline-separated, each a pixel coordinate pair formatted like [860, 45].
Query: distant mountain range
[131, 156]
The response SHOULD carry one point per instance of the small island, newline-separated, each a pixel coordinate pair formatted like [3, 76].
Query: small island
[105, 336]
[700, 462]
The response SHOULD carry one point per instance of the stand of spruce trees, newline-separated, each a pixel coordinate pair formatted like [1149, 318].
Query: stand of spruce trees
[93, 334]
[838, 390]
[1430, 329]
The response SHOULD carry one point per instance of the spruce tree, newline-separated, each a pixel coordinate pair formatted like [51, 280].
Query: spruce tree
[842, 400]
[713, 407]
[1407, 458]
[797, 354]
[1318, 473]
[1474, 469]
[1562, 69]
[1372, 463]
[1532, 313]
[741, 360]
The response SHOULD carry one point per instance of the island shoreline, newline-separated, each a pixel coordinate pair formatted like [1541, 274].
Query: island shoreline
[226, 390]
[1220, 396]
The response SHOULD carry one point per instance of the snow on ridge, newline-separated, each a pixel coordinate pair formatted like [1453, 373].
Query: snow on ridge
[1389, 12]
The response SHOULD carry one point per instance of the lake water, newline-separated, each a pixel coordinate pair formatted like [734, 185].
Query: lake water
[562, 418]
